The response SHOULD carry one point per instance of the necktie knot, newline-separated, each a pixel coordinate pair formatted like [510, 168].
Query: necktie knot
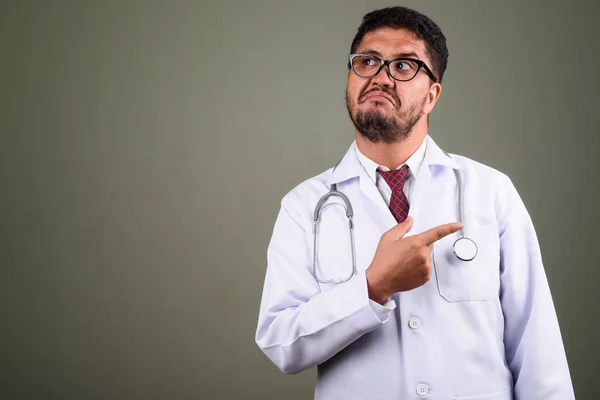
[395, 179]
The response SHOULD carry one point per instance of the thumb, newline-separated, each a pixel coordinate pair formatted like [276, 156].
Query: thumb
[402, 228]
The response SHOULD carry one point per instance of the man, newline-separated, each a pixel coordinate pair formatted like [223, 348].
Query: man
[392, 309]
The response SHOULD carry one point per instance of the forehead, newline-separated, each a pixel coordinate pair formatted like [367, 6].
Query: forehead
[390, 43]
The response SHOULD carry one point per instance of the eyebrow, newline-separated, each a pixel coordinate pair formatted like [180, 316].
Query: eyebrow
[398, 55]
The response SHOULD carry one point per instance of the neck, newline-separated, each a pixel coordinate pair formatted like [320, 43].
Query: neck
[391, 155]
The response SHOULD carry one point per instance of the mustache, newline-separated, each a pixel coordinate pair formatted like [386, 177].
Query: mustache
[383, 90]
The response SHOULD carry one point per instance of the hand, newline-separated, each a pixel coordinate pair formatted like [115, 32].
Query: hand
[402, 264]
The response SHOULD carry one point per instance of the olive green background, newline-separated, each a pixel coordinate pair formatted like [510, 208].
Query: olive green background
[145, 147]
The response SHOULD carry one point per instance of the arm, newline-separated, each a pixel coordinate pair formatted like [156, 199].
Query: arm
[299, 326]
[533, 343]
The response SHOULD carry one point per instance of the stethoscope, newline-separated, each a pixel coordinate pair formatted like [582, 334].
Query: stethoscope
[464, 248]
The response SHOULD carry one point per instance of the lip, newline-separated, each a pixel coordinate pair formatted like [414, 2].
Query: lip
[378, 95]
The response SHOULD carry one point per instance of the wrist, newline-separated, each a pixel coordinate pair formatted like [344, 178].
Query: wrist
[374, 287]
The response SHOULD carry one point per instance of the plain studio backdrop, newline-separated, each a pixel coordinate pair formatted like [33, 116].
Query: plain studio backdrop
[145, 147]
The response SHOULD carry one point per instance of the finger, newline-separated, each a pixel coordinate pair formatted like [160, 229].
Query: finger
[435, 234]
[402, 228]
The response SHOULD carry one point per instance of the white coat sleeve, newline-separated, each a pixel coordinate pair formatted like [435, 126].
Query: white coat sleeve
[299, 326]
[532, 338]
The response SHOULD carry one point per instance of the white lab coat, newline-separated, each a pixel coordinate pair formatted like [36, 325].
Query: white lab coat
[479, 330]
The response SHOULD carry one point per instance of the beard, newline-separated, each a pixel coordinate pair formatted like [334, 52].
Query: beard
[376, 127]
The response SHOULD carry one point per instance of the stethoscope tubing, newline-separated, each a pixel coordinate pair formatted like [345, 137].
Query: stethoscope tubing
[464, 248]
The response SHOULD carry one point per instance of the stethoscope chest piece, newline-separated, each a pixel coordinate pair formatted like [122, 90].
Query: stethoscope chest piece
[465, 249]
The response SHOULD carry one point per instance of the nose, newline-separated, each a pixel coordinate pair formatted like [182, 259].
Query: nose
[383, 77]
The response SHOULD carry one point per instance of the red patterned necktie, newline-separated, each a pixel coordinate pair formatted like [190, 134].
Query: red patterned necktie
[398, 203]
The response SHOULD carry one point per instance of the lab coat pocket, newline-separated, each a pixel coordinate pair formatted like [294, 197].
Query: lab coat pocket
[475, 280]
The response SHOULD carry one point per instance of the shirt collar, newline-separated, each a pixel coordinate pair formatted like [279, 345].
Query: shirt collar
[414, 162]
[350, 166]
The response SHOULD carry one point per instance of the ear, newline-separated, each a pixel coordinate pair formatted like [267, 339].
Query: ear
[433, 95]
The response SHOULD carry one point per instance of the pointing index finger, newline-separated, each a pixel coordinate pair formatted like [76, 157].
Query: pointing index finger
[434, 234]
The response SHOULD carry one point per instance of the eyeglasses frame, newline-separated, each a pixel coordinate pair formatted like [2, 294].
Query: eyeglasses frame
[387, 63]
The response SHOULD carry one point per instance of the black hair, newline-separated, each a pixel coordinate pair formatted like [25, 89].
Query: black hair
[414, 21]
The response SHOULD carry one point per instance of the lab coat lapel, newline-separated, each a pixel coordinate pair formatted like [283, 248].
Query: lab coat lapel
[371, 215]
[350, 167]
[369, 189]
[433, 183]
[421, 194]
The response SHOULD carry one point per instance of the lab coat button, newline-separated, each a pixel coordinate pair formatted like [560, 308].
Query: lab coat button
[414, 323]
[422, 389]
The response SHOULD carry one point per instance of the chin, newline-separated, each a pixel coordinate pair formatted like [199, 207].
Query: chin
[381, 109]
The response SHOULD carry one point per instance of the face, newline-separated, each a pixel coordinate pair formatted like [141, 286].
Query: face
[382, 108]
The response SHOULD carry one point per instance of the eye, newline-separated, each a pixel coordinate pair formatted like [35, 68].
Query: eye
[368, 61]
[404, 66]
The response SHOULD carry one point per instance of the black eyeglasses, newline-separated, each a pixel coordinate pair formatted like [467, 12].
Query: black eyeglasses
[401, 69]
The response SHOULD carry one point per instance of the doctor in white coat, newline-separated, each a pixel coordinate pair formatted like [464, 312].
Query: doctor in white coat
[387, 310]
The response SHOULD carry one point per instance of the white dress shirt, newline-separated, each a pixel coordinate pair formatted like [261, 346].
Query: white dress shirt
[414, 163]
